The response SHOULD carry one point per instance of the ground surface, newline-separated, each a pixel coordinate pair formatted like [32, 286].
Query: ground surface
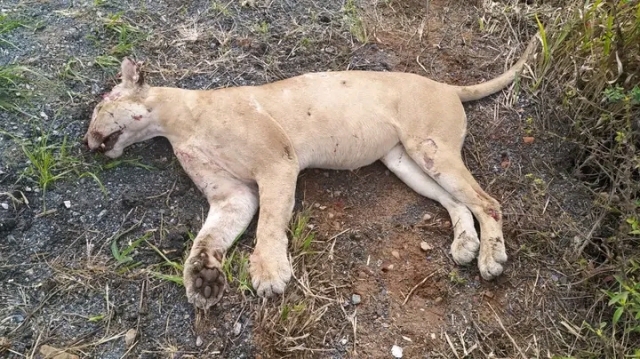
[61, 285]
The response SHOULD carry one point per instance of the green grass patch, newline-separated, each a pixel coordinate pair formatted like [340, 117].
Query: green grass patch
[8, 24]
[352, 18]
[123, 33]
[11, 91]
[236, 270]
[123, 254]
[301, 234]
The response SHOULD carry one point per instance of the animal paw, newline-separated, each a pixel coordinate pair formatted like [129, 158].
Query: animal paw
[492, 258]
[269, 275]
[465, 247]
[204, 279]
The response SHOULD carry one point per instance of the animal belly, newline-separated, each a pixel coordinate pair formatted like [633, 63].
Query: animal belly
[347, 151]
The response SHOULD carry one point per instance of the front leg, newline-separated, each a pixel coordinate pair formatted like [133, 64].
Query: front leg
[230, 212]
[269, 264]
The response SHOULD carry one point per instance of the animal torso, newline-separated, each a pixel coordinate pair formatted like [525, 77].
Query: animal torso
[334, 120]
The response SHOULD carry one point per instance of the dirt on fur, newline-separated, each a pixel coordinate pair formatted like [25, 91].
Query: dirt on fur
[86, 265]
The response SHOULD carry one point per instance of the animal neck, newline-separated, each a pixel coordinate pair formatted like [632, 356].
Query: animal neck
[170, 112]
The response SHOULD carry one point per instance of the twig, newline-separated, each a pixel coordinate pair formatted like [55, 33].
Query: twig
[417, 285]
[507, 333]
[453, 349]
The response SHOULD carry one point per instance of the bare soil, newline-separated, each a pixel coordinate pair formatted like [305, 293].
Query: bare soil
[61, 286]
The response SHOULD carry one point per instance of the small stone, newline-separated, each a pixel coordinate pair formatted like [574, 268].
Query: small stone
[67, 204]
[344, 341]
[446, 224]
[433, 336]
[437, 300]
[44, 115]
[198, 341]
[4, 205]
[426, 217]
[488, 294]
[237, 328]
[331, 215]
[322, 208]
[130, 337]
[425, 246]
[396, 351]
[395, 254]
[356, 299]
[388, 267]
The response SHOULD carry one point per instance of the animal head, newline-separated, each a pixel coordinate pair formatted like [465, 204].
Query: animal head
[121, 118]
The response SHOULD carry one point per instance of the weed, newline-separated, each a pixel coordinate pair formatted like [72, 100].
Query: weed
[97, 318]
[590, 59]
[107, 62]
[220, 9]
[455, 278]
[353, 19]
[8, 24]
[70, 72]
[177, 267]
[301, 235]
[262, 28]
[11, 76]
[122, 255]
[236, 270]
[133, 162]
[48, 162]
[125, 35]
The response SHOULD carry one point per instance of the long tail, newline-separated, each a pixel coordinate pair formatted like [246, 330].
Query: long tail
[476, 92]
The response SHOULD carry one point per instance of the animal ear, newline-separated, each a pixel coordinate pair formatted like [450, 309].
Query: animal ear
[131, 73]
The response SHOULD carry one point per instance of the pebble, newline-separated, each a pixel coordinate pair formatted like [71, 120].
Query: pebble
[356, 299]
[396, 351]
[425, 246]
[198, 341]
[130, 337]
[426, 217]
[237, 328]
[387, 267]
[395, 254]
[437, 300]
[4, 205]
[67, 204]
[344, 341]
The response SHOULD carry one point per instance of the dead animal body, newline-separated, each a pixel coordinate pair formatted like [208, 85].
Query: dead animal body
[244, 148]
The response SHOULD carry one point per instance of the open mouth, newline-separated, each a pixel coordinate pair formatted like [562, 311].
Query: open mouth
[109, 141]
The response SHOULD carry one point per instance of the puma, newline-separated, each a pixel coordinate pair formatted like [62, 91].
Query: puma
[244, 148]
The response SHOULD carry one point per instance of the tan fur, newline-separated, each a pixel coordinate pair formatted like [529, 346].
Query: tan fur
[245, 146]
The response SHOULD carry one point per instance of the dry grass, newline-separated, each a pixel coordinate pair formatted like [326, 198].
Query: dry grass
[297, 324]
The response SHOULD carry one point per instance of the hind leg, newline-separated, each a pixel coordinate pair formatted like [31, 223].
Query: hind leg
[441, 160]
[465, 238]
